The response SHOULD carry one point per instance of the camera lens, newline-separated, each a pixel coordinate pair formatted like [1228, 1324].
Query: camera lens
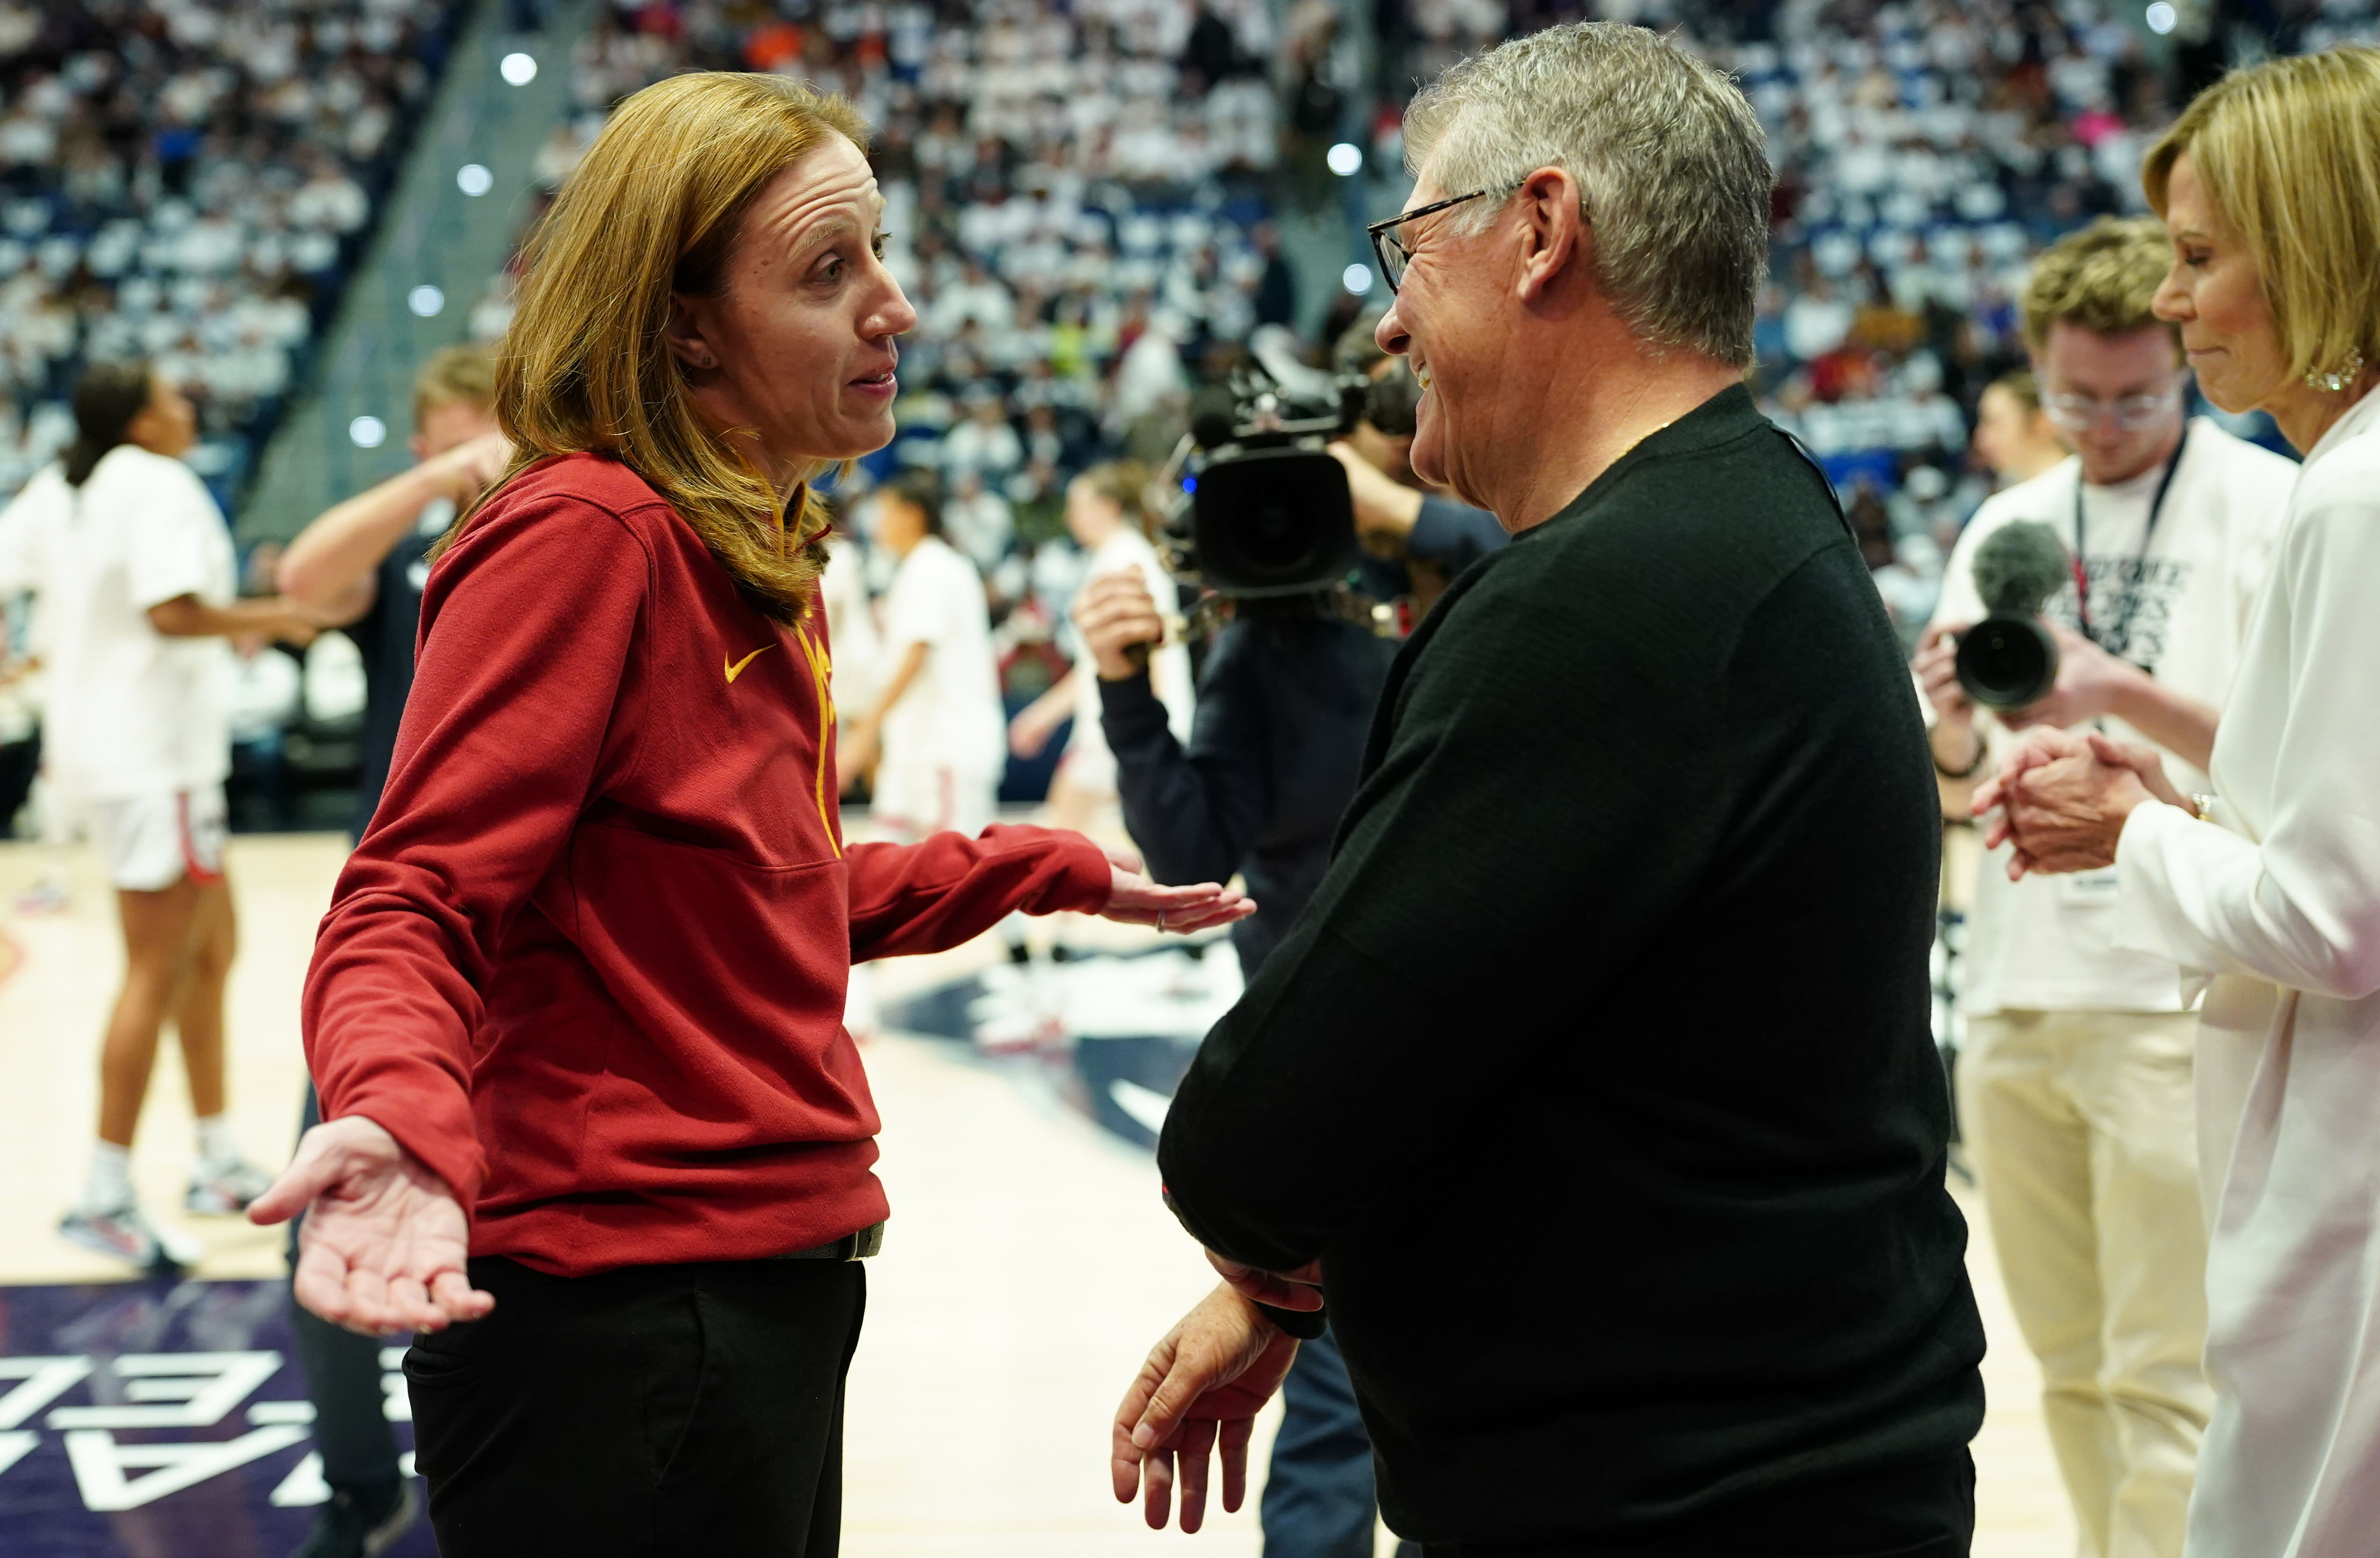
[2007, 662]
[1273, 522]
[1276, 541]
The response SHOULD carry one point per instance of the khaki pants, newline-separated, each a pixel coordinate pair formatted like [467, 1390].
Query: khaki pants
[2082, 1129]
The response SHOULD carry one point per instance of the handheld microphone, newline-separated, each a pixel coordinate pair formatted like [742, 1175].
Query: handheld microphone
[2008, 659]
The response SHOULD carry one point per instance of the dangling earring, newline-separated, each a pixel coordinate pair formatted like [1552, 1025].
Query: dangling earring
[2337, 381]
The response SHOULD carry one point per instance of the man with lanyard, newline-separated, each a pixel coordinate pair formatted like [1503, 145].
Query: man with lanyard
[359, 566]
[2074, 1079]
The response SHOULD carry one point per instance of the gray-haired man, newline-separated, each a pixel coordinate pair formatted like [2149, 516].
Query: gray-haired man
[1594, 1087]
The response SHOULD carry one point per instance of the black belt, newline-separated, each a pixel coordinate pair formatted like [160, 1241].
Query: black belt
[851, 1246]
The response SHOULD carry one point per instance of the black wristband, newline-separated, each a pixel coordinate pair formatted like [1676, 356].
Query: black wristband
[1304, 1324]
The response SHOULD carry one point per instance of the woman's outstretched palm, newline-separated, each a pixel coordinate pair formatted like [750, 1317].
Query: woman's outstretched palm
[385, 1243]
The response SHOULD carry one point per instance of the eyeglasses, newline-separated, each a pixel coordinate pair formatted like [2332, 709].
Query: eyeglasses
[2080, 413]
[1389, 251]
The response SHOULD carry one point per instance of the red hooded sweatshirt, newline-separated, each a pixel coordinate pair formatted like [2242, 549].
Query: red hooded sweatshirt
[589, 962]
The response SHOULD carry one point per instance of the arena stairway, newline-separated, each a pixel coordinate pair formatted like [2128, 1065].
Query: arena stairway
[435, 234]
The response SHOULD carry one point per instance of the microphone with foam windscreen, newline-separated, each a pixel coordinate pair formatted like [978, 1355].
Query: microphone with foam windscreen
[2008, 659]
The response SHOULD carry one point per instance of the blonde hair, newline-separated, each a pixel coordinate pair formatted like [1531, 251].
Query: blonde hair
[1121, 482]
[463, 375]
[2289, 153]
[2103, 278]
[2021, 386]
[653, 209]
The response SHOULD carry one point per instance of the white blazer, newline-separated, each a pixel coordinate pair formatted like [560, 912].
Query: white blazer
[2280, 902]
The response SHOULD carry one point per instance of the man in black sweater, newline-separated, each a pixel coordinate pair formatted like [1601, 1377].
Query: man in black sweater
[1594, 1088]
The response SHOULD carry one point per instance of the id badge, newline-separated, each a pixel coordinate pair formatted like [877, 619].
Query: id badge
[2088, 889]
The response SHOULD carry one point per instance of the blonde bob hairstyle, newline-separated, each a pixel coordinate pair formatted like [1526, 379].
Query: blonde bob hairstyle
[2288, 153]
[654, 209]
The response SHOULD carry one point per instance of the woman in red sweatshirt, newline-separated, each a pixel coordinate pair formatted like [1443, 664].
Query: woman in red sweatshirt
[593, 1126]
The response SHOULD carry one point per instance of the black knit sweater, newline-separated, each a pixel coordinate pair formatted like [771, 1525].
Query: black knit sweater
[1597, 1071]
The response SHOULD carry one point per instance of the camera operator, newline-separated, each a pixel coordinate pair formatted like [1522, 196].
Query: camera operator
[1284, 704]
[2075, 1078]
[1414, 541]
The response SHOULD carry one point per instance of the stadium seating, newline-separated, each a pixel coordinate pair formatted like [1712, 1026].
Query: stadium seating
[190, 181]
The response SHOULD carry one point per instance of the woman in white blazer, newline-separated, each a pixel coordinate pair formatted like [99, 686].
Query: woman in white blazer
[2269, 186]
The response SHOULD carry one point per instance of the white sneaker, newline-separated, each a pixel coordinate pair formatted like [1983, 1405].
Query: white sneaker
[48, 895]
[129, 1235]
[225, 1189]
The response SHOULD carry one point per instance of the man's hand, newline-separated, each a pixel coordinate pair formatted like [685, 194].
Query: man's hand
[1200, 1389]
[1956, 747]
[1134, 899]
[1298, 1290]
[1937, 673]
[1115, 616]
[2091, 682]
[383, 1246]
[2062, 806]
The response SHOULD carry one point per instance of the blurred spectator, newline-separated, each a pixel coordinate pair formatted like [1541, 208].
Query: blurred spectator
[1104, 515]
[2013, 435]
[936, 720]
[187, 184]
[1926, 150]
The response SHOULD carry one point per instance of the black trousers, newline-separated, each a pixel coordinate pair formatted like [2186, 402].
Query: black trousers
[1921, 1510]
[644, 1412]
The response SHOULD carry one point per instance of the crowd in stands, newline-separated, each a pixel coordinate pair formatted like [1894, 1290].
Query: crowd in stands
[1077, 200]
[1927, 151]
[1080, 200]
[189, 180]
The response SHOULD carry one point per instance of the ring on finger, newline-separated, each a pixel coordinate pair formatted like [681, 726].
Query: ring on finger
[1160, 922]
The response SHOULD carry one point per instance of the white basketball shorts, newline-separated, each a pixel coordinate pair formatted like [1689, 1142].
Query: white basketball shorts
[153, 841]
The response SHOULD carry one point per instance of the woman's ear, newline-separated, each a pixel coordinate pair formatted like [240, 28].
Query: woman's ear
[687, 335]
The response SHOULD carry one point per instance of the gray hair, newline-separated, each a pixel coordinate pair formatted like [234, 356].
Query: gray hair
[1667, 155]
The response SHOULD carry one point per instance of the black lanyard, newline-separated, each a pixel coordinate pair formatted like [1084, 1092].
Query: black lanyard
[2119, 632]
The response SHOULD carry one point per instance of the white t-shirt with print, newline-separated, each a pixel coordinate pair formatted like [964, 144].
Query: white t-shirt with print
[130, 711]
[2181, 611]
[950, 716]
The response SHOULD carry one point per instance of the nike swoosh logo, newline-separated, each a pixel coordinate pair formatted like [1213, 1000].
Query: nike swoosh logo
[737, 669]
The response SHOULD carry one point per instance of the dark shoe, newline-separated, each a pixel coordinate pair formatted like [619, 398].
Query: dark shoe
[361, 1522]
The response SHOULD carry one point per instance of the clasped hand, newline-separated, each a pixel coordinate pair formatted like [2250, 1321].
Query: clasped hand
[2063, 798]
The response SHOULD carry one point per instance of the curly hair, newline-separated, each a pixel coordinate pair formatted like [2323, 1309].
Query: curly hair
[2102, 277]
